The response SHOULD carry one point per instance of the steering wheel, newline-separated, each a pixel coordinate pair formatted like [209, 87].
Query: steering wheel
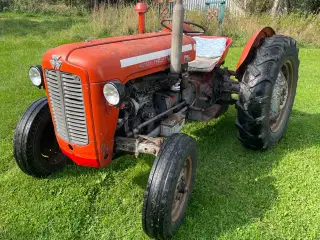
[188, 31]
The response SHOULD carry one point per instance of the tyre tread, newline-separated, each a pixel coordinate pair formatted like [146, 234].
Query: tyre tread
[155, 223]
[23, 140]
[250, 106]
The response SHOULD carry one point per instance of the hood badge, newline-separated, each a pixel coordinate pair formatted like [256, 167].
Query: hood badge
[55, 63]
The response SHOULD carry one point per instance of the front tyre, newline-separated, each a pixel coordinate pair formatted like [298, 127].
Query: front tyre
[36, 149]
[169, 186]
[267, 93]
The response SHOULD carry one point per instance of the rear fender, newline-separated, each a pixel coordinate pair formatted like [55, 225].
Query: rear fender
[251, 45]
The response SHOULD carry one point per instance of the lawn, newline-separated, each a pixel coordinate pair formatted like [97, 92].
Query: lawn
[239, 193]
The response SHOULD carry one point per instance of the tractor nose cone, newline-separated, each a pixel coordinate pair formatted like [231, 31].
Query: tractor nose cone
[141, 7]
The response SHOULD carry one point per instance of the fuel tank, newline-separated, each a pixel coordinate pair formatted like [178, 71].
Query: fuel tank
[75, 74]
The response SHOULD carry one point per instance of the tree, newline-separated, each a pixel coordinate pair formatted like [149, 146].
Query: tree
[280, 6]
[276, 5]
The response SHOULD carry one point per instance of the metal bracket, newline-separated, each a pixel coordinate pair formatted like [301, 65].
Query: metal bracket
[228, 86]
[141, 144]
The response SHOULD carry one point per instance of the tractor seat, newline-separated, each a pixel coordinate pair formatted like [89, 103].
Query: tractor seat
[209, 51]
[202, 64]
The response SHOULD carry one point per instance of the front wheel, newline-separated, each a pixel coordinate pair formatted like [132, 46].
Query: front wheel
[169, 187]
[267, 93]
[36, 149]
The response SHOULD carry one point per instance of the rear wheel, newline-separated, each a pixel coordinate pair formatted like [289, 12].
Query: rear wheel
[267, 93]
[36, 149]
[169, 187]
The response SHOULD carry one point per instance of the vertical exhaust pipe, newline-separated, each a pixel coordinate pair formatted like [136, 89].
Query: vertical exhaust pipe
[177, 35]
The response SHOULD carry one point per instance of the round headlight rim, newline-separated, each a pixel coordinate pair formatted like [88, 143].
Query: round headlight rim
[38, 68]
[120, 88]
[108, 85]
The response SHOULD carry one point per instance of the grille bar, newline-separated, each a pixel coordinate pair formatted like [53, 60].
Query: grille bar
[66, 99]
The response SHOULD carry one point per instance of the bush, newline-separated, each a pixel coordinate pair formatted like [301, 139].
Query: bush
[44, 5]
[4, 4]
[304, 28]
[280, 6]
[107, 20]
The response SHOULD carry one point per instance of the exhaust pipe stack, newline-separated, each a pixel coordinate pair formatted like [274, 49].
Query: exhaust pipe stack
[177, 35]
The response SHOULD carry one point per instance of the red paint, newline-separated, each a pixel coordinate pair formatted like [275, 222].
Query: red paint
[99, 61]
[254, 42]
[141, 23]
[141, 8]
[81, 161]
[96, 63]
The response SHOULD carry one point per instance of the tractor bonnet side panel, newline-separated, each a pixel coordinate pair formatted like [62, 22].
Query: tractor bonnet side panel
[130, 59]
[96, 63]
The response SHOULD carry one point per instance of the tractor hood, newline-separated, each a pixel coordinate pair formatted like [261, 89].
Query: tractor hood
[122, 58]
[95, 63]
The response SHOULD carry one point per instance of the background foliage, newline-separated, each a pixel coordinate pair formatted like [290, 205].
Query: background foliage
[252, 6]
[98, 18]
[33, 5]
[280, 6]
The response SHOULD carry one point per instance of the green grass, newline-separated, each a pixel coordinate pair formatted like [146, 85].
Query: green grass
[239, 194]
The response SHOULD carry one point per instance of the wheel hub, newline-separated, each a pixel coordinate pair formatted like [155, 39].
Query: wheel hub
[181, 190]
[49, 148]
[278, 100]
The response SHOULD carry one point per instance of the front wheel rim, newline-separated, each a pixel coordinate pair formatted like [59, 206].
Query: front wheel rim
[182, 190]
[48, 146]
[280, 96]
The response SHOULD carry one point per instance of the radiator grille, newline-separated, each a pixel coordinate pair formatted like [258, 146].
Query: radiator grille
[66, 99]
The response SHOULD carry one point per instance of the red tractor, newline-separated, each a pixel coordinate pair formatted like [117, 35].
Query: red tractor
[133, 94]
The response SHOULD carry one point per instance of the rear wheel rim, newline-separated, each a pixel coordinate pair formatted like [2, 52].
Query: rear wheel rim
[280, 95]
[182, 190]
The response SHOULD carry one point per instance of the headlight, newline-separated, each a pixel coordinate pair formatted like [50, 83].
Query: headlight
[114, 92]
[35, 74]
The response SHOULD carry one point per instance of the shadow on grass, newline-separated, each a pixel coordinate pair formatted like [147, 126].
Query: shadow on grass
[234, 186]
[17, 27]
[118, 165]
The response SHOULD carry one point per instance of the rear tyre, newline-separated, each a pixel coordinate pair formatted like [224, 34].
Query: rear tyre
[169, 187]
[36, 149]
[267, 93]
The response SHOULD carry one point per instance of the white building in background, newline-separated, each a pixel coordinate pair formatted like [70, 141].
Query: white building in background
[200, 4]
